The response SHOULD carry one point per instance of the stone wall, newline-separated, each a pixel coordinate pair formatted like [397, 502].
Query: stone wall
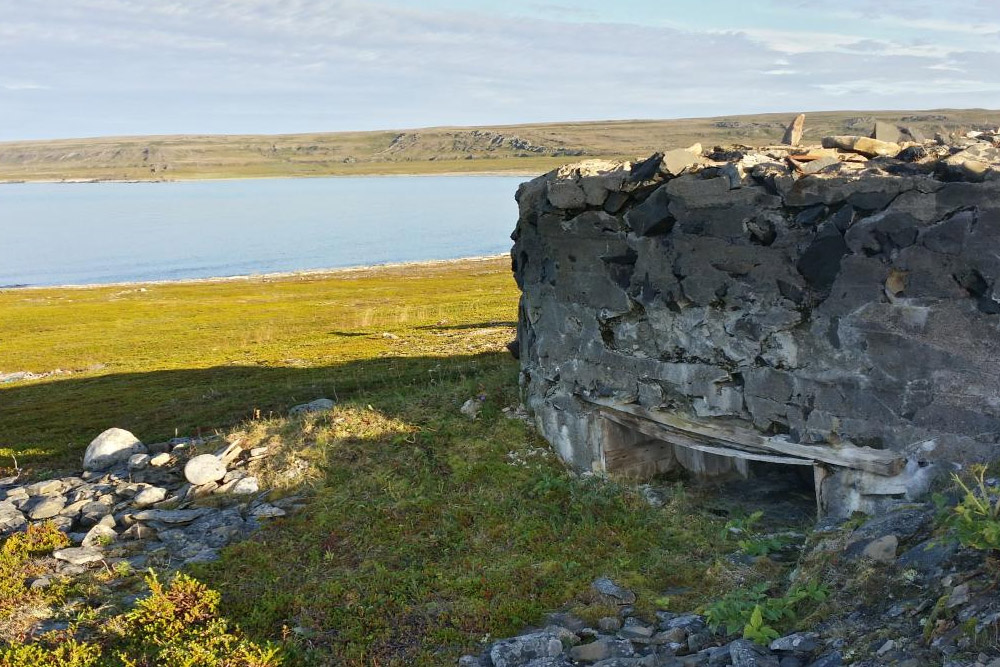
[846, 294]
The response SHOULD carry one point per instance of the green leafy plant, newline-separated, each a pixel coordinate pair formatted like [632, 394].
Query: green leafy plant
[755, 613]
[758, 631]
[976, 518]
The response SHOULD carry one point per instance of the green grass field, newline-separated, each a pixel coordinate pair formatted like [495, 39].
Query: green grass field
[424, 533]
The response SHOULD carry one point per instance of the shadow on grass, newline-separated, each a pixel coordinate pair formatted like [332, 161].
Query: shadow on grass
[466, 327]
[423, 532]
[49, 424]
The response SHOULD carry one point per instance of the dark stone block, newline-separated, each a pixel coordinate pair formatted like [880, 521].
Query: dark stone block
[820, 263]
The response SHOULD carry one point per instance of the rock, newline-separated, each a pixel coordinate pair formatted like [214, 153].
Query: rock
[44, 507]
[149, 496]
[887, 132]
[257, 452]
[863, 145]
[831, 659]
[519, 651]
[138, 532]
[652, 217]
[689, 622]
[634, 629]
[798, 642]
[889, 645]
[602, 649]
[609, 624]
[79, 555]
[566, 194]
[138, 461]
[471, 408]
[676, 161]
[745, 653]
[111, 447]
[50, 487]
[204, 469]
[912, 154]
[245, 486]
[160, 459]
[99, 536]
[883, 549]
[93, 511]
[816, 166]
[11, 519]
[793, 133]
[319, 405]
[608, 588]
[171, 516]
[265, 511]
[958, 597]
[567, 621]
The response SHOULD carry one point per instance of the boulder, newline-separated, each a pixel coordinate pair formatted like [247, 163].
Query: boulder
[110, 448]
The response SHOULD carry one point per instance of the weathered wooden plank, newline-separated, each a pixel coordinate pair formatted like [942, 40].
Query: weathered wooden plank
[877, 461]
[672, 437]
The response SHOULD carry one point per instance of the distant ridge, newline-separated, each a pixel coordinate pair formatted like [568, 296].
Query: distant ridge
[504, 148]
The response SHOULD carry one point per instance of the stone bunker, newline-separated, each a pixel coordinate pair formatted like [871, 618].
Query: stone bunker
[834, 308]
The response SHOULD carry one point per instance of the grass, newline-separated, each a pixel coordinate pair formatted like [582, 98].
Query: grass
[423, 533]
[173, 358]
[431, 150]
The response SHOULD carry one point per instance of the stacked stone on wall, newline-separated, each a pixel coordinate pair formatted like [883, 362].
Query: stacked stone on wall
[841, 294]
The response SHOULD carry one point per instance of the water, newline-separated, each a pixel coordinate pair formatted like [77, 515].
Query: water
[91, 233]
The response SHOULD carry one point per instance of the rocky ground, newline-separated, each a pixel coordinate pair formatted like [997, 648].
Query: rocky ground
[163, 505]
[901, 592]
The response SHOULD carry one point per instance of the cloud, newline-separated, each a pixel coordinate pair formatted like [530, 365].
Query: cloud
[22, 85]
[131, 66]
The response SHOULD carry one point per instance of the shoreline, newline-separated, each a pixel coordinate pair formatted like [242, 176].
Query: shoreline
[277, 275]
[90, 181]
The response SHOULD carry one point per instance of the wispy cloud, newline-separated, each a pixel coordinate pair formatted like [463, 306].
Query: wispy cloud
[131, 66]
[22, 85]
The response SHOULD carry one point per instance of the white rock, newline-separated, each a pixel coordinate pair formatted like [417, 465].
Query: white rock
[113, 446]
[319, 405]
[245, 486]
[149, 496]
[161, 459]
[204, 469]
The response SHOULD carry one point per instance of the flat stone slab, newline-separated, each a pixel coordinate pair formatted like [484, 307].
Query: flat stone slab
[170, 516]
[79, 555]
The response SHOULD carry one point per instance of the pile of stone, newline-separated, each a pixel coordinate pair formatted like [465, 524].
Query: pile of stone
[140, 502]
[843, 293]
[902, 593]
[625, 640]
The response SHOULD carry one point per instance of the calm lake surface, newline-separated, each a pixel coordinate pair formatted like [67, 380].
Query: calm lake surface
[88, 233]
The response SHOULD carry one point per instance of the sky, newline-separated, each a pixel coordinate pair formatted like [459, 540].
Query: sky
[80, 68]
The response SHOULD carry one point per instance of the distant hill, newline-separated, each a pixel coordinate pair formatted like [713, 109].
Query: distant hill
[507, 148]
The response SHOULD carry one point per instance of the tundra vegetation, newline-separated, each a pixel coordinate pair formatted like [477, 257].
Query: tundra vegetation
[423, 534]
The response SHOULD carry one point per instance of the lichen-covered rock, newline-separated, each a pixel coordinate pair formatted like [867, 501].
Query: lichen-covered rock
[520, 651]
[111, 447]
